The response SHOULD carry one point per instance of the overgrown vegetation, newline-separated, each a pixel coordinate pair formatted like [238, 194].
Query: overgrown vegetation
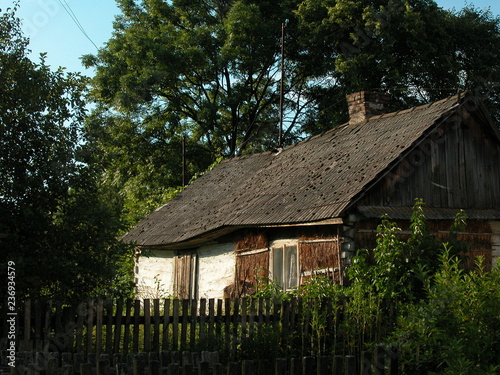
[411, 294]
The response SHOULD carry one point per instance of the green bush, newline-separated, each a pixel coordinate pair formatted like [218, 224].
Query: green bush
[455, 330]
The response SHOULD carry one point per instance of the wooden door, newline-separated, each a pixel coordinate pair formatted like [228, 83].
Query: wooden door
[186, 276]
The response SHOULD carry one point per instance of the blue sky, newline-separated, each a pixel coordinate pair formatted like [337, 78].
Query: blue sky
[51, 29]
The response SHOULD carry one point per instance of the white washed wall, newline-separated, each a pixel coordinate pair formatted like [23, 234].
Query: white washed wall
[155, 274]
[216, 269]
[495, 228]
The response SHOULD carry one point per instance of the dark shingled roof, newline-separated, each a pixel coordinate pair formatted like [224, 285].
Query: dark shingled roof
[311, 181]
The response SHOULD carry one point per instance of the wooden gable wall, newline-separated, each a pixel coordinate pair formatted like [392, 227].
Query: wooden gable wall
[456, 166]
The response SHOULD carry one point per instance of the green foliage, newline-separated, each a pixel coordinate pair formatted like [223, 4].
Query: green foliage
[322, 301]
[410, 292]
[455, 329]
[395, 268]
[414, 294]
[142, 160]
[207, 70]
[263, 344]
[415, 50]
[266, 287]
[58, 224]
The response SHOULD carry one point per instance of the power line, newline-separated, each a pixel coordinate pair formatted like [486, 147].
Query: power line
[73, 16]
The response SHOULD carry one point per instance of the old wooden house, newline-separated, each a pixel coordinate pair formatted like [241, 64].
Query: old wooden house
[306, 208]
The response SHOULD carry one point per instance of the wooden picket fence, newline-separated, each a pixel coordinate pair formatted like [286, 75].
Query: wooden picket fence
[245, 330]
[383, 362]
[133, 326]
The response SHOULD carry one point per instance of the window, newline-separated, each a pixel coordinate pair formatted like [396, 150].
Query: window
[285, 268]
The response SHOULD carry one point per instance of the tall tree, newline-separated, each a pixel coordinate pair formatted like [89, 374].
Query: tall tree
[204, 71]
[57, 226]
[414, 50]
[210, 71]
[207, 69]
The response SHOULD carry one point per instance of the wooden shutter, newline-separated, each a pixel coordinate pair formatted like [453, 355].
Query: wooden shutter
[186, 276]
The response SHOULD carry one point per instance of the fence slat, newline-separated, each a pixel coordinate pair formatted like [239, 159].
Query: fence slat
[98, 327]
[211, 319]
[118, 326]
[109, 326]
[244, 306]
[193, 314]
[184, 321]
[27, 319]
[251, 322]
[235, 318]
[175, 326]
[147, 325]
[80, 314]
[227, 324]
[166, 324]
[137, 320]
[126, 333]
[156, 325]
[90, 324]
[203, 317]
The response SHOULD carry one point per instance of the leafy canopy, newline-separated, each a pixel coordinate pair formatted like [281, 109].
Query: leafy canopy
[210, 72]
[58, 225]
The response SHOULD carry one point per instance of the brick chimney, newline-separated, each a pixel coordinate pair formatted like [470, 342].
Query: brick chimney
[365, 104]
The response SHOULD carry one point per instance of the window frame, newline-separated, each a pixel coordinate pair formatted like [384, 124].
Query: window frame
[280, 266]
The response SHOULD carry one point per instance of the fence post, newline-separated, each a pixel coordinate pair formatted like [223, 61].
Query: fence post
[232, 368]
[296, 366]
[322, 365]
[156, 325]
[204, 368]
[187, 358]
[350, 365]
[154, 367]
[99, 325]
[218, 369]
[186, 369]
[247, 367]
[118, 326]
[166, 324]
[379, 360]
[137, 320]
[139, 365]
[280, 366]
[338, 365]
[393, 360]
[308, 365]
[103, 366]
[52, 365]
[126, 329]
[86, 369]
[227, 324]
[172, 369]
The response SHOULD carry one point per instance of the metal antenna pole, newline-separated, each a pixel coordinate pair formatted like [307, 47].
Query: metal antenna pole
[280, 134]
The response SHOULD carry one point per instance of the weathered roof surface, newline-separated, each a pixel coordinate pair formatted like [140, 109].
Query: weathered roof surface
[311, 181]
